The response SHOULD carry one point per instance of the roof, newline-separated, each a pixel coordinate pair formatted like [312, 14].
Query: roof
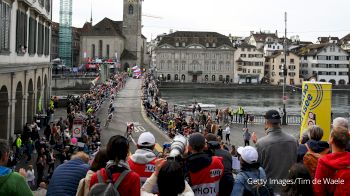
[245, 45]
[346, 38]
[312, 49]
[261, 37]
[327, 39]
[105, 27]
[127, 55]
[195, 37]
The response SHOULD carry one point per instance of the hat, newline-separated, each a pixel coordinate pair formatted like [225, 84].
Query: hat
[197, 141]
[146, 139]
[248, 154]
[273, 116]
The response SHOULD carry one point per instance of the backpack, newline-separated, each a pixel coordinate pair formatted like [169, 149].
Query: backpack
[310, 160]
[259, 189]
[342, 188]
[107, 189]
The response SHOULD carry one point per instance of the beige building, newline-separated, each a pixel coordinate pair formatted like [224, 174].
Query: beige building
[249, 64]
[275, 65]
[119, 40]
[25, 71]
[198, 57]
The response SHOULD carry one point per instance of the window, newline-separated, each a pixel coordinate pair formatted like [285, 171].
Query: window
[282, 60]
[243, 55]
[291, 74]
[183, 44]
[48, 5]
[21, 32]
[214, 45]
[107, 50]
[32, 36]
[242, 49]
[248, 70]
[183, 65]
[259, 71]
[213, 78]
[177, 44]
[176, 77]
[168, 77]
[40, 39]
[100, 48]
[206, 77]
[93, 50]
[244, 71]
[131, 9]
[47, 41]
[221, 78]
[291, 60]
[183, 77]
[254, 70]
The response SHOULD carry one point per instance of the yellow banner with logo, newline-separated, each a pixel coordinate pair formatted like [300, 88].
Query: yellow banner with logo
[316, 107]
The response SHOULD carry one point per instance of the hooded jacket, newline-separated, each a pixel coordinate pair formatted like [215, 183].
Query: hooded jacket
[12, 183]
[205, 173]
[143, 163]
[327, 169]
[315, 146]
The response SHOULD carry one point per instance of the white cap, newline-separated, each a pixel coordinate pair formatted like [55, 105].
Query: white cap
[248, 154]
[146, 139]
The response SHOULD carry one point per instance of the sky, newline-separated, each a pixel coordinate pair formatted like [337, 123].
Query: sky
[307, 18]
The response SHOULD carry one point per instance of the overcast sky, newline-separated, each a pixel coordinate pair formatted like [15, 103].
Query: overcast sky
[307, 18]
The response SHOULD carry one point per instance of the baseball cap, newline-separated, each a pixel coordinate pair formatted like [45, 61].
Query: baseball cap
[146, 139]
[248, 154]
[273, 116]
[197, 141]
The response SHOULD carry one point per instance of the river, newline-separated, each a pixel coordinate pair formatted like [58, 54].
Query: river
[253, 101]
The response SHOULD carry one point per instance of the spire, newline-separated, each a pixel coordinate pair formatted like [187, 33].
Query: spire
[91, 13]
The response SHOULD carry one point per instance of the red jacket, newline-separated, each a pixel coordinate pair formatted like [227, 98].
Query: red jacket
[144, 170]
[206, 181]
[332, 175]
[130, 186]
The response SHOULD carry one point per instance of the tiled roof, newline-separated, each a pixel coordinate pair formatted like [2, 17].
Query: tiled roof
[105, 27]
[312, 49]
[346, 38]
[195, 37]
[327, 39]
[245, 45]
[261, 37]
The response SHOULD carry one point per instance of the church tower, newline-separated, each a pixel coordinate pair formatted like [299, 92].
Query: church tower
[132, 16]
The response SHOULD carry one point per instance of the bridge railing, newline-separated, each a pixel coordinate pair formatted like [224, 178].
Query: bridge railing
[75, 75]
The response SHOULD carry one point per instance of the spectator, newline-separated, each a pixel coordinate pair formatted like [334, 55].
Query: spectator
[42, 190]
[342, 122]
[250, 171]
[272, 146]
[11, 183]
[227, 133]
[235, 160]
[66, 177]
[30, 176]
[205, 171]
[143, 160]
[170, 180]
[117, 152]
[226, 182]
[246, 136]
[302, 151]
[299, 173]
[334, 166]
[315, 148]
[99, 162]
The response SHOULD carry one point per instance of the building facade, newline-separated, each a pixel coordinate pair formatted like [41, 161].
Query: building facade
[249, 65]
[121, 40]
[25, 71]
[327, 62]
[195, 57]
[275, 64]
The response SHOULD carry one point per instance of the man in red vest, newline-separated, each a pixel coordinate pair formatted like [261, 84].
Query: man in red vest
[205, 171]
[143, 160]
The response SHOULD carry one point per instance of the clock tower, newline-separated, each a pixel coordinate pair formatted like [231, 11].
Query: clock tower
[132, 15]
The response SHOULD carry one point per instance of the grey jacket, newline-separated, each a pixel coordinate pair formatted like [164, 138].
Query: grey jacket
[277, 153]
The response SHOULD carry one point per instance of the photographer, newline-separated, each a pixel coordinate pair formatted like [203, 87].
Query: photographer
[214, 149]
[205, 171]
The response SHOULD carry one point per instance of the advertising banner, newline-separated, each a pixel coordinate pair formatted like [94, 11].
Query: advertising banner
[316, 107]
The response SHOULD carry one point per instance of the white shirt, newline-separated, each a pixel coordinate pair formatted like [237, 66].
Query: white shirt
[30, 175]
[227, 130]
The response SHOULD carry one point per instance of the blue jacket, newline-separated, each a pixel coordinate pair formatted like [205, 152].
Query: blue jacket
[244, 182]
[66, 177]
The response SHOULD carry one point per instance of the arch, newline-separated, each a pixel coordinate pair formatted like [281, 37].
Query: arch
[176, 77]
[206, 77]
[39, 97]
[46, 93]
[30, 101]
[213, 78]
[333, 81]
[341, 82]
[168, 77]
[322, 80]
[131, 9]
[183, 77]
[4, 118]
[221, 78]
[18, 108]
[227, 78]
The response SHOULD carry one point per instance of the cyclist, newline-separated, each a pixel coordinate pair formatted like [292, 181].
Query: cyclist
[129, 130]
[109, 119]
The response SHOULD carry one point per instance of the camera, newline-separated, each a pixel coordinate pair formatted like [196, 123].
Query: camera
[177, 147]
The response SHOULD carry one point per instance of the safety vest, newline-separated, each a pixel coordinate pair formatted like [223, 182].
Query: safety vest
[240, 110]
[144, 170]
[206, 181]
[90, 111]
[18, 142]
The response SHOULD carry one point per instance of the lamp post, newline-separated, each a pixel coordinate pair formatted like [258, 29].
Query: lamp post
[284, 118]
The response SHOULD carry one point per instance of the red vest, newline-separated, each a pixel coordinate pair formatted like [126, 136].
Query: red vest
[206, 181]
[144, 170]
